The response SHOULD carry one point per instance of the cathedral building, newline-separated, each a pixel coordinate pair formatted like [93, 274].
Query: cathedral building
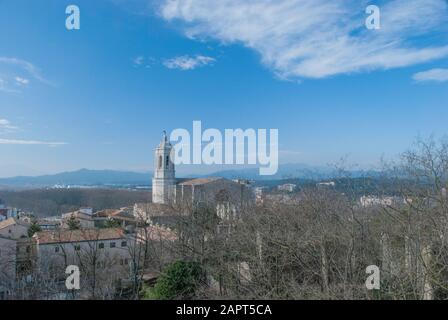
[229, 197]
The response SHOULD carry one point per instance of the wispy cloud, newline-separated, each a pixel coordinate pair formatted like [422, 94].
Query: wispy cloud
[22, 81]
[10, 81]
[188, 62]
[25, 65]
[433, 75]
[142, 61]
[139, 60]
[5, 125]
[4, 86]
[30, 142]
[317, 38]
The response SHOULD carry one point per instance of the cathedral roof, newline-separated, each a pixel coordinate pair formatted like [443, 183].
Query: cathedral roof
[199, 181]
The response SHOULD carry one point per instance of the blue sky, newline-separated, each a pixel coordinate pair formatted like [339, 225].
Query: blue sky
[99, 97]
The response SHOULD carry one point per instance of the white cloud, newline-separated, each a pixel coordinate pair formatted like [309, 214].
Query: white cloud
[188, 63]
[11, 81]
[22, 81]
[317, 38]
[139, 60]
[30, 142]
[434, 75]
[25, 65]
[5, 125]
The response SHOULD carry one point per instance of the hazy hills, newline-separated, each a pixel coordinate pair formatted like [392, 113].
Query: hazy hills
[81, 177]
[85, 177]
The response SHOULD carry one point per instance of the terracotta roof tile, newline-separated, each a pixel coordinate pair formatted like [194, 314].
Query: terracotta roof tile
[67, 236]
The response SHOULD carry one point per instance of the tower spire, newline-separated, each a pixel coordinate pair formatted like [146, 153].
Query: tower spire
[164, 181]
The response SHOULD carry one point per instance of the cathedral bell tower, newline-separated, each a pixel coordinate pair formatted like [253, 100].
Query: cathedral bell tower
[164, 180]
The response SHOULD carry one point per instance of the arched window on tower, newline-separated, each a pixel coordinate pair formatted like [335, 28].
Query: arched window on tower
[167, 165]
[160, 162]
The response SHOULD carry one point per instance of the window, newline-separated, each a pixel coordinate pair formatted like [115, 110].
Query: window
[167, 164]
[124, 262]
[101, 245]
[124, 243]
[56, 249]
[160, 162]
[77, 247]
[112, 244]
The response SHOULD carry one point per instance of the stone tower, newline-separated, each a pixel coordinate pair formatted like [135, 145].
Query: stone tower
[164, 180]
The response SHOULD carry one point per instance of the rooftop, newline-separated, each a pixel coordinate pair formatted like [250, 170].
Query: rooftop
[68, 236]
[123, 213]
[12, 221]
[154, 209]
[77, 214]
[199, 181]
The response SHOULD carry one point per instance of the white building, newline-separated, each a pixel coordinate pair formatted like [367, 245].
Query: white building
[288, 187]
[326, 184]
[167, 190]
[383, 201]
[103, 254]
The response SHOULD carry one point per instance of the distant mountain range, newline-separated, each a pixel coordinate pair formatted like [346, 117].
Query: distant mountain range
[85, 177]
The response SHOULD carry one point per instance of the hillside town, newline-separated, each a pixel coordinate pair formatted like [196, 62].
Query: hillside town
[234, 239]
[110, 246]
[120, 251]
[32, 246]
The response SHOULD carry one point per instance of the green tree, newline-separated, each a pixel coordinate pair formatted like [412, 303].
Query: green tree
[73, 224]
[34, 227]
[179, 281]
[110, 223]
